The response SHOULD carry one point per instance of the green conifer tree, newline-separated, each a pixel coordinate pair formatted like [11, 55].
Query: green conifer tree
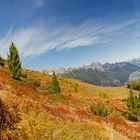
[13, 62]
[55, 84]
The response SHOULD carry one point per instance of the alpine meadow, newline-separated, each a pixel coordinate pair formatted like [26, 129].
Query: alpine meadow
[70, 70]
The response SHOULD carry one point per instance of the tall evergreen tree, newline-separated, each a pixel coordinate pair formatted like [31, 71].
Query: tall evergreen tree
[14, 64]
[55, 84]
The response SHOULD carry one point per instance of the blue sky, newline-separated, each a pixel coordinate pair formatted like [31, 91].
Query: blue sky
[70, 33]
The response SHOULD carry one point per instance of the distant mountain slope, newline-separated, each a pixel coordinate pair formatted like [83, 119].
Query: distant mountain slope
[134, 76]
[103, 74]
[135, 62]
[122, 71]
[93, 77]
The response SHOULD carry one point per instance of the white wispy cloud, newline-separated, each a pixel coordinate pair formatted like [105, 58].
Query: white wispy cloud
[38, 39]
[39, 3]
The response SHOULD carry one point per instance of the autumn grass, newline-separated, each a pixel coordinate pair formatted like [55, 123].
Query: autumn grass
[45, 116]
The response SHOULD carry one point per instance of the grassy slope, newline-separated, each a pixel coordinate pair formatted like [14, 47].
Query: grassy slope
[67, 116]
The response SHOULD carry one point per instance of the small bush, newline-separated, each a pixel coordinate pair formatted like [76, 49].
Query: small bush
[46, 87]
[134, 85]
[54, 86]
[99, 109]
[2, 61]
[76, 86]
[34, 81]
[103, 95]
[23, 75]
[133, 103]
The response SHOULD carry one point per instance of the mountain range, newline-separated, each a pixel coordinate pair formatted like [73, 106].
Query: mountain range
[108, 74]
[135, 61]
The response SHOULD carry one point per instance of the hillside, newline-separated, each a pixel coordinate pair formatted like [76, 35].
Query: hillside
[42, 115]
[134, 76]
[135, 61]
[116, 74]
[93, 77]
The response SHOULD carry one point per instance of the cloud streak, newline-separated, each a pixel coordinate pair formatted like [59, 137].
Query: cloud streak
[38, 39]
[39, 3]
